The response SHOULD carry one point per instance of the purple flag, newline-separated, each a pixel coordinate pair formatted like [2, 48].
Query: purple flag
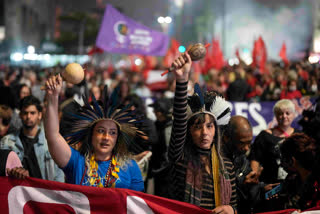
[120, 34]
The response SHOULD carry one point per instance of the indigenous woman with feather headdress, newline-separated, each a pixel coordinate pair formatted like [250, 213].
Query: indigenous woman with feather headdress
[200, 175]
[104, 132]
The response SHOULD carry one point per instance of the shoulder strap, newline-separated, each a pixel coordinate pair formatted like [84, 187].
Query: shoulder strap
[3, 161]
[283, 132]
[84, 172]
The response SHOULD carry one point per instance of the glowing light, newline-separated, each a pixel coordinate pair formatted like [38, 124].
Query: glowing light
[31, 49]
[29, 56]
[231, 62]
[168, 19]
[316, 45]
[138, 62]
[16, 57]
[182, 49]
[161, 19]
[313, 59]
[236, 61]
[179, 3]
[47, 57]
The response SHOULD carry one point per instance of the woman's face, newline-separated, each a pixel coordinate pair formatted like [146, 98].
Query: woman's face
[104, 138]
[203, 134]
[95, 90]
[24, 92]
[285, 117]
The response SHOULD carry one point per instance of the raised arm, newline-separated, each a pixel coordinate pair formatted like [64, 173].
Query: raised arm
[58, 147]
[179, 127]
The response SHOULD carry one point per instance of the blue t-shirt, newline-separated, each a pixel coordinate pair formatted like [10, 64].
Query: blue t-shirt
[129, 176]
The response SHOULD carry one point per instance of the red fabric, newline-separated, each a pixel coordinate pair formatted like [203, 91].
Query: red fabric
[238, 54]
[32, 195]
[283, 54]
[134, 67]
[214, 57]
[95, 50]
[304, 74]
[172, 53]
[290, 94]
[217, 55]
[259, 55]
[288, 211]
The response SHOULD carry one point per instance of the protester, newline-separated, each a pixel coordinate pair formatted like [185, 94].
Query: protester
[10, 165]
[265, 149]
[103, 159]
[301, 189]
[5, 118]
[162, 108]
[195, 145]
[266, 153]
[236, 146]
[30, 143]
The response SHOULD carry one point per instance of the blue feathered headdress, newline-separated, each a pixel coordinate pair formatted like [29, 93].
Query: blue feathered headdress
[86, 116]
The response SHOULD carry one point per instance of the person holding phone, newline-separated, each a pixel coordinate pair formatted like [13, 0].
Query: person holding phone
[237, 139]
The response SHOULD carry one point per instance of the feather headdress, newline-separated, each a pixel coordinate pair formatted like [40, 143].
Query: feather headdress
[211, 103]
[86, 116]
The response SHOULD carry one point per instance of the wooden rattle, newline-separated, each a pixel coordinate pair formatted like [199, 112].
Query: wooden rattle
[73, 73]
[197, 51]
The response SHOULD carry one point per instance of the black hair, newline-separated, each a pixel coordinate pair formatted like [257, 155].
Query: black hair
[302, 147]
[28, 101]
[310, 121]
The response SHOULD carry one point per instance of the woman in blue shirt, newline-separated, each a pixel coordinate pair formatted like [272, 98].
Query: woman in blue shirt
[103, 132]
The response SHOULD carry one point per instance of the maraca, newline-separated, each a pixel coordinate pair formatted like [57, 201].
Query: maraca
[73, 73]
[196, 52]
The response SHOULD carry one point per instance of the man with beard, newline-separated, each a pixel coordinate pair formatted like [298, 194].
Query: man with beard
[30, 143]
[236, 146]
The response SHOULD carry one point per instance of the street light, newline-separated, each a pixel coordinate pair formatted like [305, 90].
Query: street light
[164, 22]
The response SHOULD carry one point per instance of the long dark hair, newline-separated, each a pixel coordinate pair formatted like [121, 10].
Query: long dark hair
[191, 151]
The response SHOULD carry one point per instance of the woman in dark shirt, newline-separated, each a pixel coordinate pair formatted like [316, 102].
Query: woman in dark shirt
[200, 175]
[265, 151]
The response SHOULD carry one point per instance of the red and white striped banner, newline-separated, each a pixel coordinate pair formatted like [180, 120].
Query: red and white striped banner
[40, 196]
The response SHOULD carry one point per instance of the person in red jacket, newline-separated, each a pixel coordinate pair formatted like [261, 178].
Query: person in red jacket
[291, 92]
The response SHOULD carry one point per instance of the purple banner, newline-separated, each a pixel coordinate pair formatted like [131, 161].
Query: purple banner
[120, 34]
[261, 114]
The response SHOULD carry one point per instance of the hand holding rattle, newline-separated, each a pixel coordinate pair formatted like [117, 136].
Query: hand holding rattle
[197, 51]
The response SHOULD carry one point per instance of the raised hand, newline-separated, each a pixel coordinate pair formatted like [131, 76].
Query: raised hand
[54, 85]
[182, 67]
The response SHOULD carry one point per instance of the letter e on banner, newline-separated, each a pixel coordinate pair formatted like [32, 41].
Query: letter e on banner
[20, 195]
[253, 110]
[240, 107]
[136, 205]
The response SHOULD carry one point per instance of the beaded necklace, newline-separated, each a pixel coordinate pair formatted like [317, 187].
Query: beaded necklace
[110, 177]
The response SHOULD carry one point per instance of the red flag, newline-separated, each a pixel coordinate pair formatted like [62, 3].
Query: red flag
[214, 57]
[259, 55]
[283, 54]
[217, 55]
[172, 53]
[34, 195]
[95, 50]
[238, 54]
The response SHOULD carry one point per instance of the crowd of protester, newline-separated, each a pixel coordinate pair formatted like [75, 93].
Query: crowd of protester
[249, 168]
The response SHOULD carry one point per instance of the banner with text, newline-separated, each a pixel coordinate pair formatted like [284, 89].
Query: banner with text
[120, 34]
[260, 114]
